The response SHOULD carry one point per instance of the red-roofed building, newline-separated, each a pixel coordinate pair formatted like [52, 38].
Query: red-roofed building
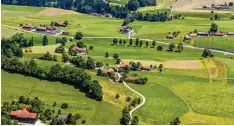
[218, 34]
[230, 33]
[26, 115]
[170, 37]
[145, 68]
[39, 28]
[193, 35]
[27, 26]
[59, 23]
[131, 78]
[107, 70]
[187, 37]
[122, 65]
[81, 50]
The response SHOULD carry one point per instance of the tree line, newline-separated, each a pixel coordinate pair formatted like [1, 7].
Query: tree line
[87, 6]
[67, 74]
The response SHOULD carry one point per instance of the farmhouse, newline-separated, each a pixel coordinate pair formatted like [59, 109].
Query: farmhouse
[170, 37]
[26, 115]
[202, 34]
[193, 35]
[80, 50]
[187, 37]
[230, 33]
[27, 26]
[59, 23]
[39, 28]
[131, 78]
[122, 65]
[107, 70]
[147, 68]
[125, 29]
[218, 34]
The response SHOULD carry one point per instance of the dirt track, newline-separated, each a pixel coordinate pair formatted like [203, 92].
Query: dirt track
[54, 11]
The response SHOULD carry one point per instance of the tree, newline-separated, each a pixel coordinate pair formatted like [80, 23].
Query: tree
[64, 105]
[206, 53]
[160, 48]
[45, 41]
[130, 42]
[115, 41]
[176, 121]
[216, 17]
[120, 41]
[60, 49]
[115, 56]
[117, 61]
[96, 90]
[124, 41]
[128, 99]
[65, 57]
[21, 99]
[54, 104]
[160, 67]
[117, 96]
[180, 47]
[135, 120]
[90, 63]
[70, 120]
[77, 116]
[137, 42]
[99, 72]
[153, 43]
[78, 35]
[90, 47]
[125, 116]
[214, 27]
[99, 64]
[171, 47]
[59, 112]
[141, 43]
[106, 54]
[230, 4]
[83, 122]
[147, 43]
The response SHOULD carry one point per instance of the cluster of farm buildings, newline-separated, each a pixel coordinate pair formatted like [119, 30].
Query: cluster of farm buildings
[218, 7]
[207, 34]
[122, 65]
[27, 116]
[46, 29]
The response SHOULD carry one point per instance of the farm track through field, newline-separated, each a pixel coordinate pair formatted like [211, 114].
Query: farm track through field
[107, 37]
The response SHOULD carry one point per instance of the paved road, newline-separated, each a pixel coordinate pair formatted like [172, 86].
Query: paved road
[108, 37]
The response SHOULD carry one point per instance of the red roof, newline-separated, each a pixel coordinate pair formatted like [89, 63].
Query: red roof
[170, 36]
[60, 22]
[230, 33]
[78, 49]
[49, 28]
[218, 34]
[122, 65]
[145, 68]
[25, 113]
[131, 78]
[27, 26]
[40, 28]
[107, 70]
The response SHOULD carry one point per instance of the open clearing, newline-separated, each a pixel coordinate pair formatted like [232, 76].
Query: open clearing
[185, 64]
[54, 11]
[41, 49]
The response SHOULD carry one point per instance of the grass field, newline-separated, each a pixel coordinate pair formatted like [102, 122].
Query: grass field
[225, 43]
[92, 111]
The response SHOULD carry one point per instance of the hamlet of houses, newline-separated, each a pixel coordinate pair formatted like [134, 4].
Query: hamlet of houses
[218, 6]
[46, 29]
[207, 34]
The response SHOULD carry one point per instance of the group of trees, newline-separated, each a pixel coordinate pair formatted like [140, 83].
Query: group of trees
[49, 57]
[126, 119]
[172, 47]
[62, 40]
[87, 63]
[207, 53]
[138, 42]
[68, 74]
[21, 40]
[9, 48]
[60, 49]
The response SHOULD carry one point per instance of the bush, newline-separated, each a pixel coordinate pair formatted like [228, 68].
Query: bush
[60, 49]
[230, 4]
[90, 47]
[117, 96]
[78, 35]
[21, 99]
[64, 105]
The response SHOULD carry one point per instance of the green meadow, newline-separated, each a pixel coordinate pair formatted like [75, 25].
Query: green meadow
[209, 92]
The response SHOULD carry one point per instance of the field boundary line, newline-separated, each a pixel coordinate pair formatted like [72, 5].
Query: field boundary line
[190, 109]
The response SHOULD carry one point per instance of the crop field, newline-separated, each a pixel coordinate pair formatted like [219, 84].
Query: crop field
[225, 43]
